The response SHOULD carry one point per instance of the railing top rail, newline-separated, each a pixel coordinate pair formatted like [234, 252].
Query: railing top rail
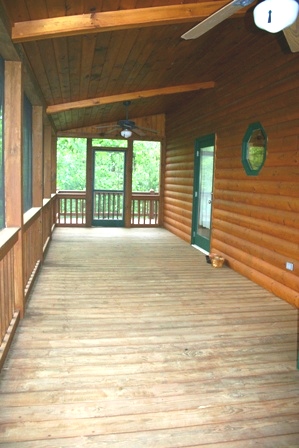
[78, 193]
[30, 216]
[71, 194]
[108, 191]
[8, 238]
[148, 196]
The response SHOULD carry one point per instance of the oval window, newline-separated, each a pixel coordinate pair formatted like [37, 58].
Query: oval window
[254, 149]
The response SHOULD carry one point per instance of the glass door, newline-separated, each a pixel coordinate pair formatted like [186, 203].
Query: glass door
[203, 192]
[108, 187]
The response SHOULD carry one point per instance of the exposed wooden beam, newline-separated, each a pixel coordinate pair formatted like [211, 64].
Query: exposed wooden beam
[114, 20]
[92, 102]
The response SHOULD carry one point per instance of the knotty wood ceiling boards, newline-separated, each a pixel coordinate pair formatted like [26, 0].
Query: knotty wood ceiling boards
[86, 66]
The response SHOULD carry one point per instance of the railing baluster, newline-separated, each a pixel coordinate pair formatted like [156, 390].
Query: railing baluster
[114, 205]
[144, 202]
[110, 203]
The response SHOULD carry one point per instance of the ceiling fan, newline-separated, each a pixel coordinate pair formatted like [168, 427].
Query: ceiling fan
[270, 15]
[127, 126]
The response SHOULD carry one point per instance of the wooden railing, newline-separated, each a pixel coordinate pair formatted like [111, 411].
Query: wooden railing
[8, 239]
[145, 209]
[32, 246]
[71, 208]
[21, 253]
[108, 205]
[49, 220]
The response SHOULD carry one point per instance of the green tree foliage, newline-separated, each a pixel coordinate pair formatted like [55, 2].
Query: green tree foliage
[109, 143]
[146, 166]
[71, 165]
[109, 170]
[255, 156]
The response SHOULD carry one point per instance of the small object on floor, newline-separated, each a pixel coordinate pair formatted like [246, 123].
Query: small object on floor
[208, 259]
[217, 261]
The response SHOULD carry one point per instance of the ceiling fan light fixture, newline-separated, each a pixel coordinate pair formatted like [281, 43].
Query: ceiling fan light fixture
[126, 133]
[275, 15]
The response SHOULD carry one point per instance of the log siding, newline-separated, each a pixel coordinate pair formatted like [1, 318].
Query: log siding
[255, 218]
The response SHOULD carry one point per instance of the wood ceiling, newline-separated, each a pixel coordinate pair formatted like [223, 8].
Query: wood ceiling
[88, 56]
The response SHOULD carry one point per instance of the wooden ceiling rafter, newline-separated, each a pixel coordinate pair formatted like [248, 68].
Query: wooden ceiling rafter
[97, 22]
[130, 96]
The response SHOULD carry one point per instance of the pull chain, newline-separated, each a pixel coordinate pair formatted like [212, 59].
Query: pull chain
[269, 18]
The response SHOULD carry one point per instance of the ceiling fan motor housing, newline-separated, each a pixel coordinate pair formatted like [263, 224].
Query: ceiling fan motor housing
[275, 15]
[127, 124]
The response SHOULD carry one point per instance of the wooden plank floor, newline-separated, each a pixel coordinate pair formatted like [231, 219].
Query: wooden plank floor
[132, 340]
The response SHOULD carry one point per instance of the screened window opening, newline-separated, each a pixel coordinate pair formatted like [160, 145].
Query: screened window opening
[71, 164]
[146, 167]
[145, 183]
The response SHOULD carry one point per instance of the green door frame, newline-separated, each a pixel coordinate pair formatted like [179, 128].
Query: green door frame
[109, 222]
[203, 240]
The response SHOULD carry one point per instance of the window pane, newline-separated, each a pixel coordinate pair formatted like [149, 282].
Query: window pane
[254, 149]
[2, 219]
[146, 166]
[27, 155]
[205, 189]
[71, 164]
[109, 169]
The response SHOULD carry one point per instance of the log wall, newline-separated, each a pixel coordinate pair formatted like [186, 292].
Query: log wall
[255, 218]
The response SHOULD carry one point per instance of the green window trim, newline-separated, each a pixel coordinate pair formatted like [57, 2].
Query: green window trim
[254, 149]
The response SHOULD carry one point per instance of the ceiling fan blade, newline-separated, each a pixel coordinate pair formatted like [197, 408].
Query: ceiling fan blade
[216, 18]
[148, 130]
[291, 33]
[112, 127]
[110, 131]
[138, 131]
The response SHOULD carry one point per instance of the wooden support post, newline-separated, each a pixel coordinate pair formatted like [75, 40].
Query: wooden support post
[53, 162]
[13, 111]
[37, 173]
[37, 156]
[89, 172]
[47, 161]
[128, 183]
[151, 206]
[162, 182]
